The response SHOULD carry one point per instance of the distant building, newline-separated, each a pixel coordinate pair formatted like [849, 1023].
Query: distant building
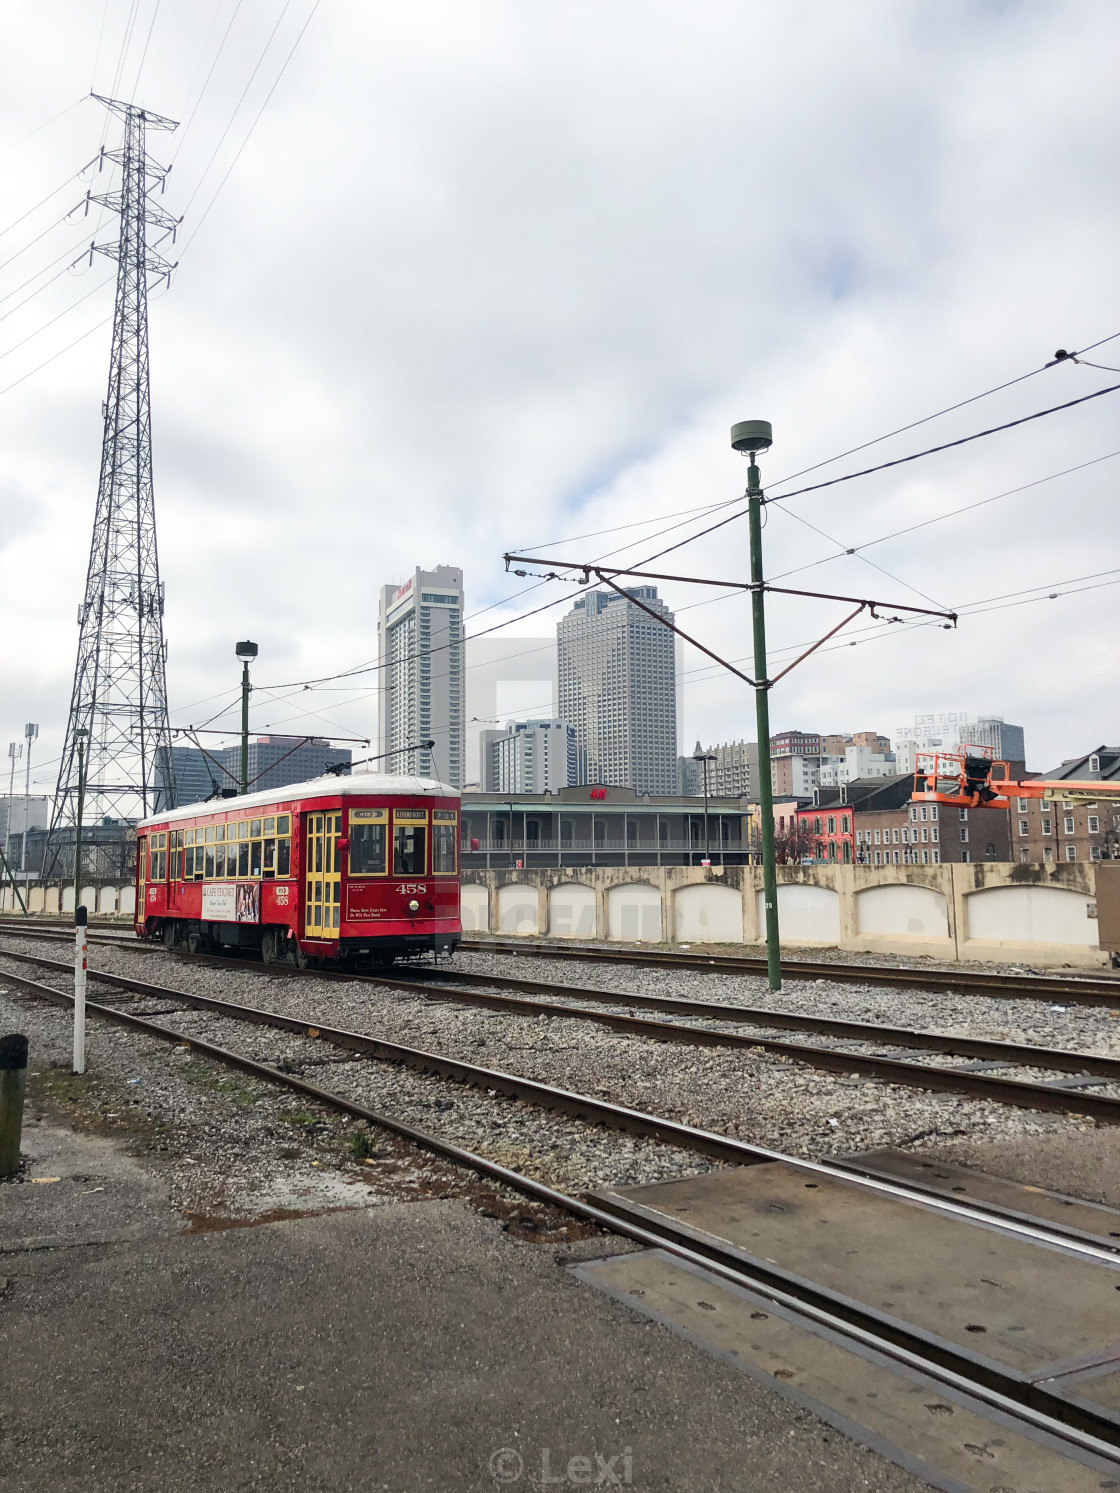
[530, 757]
[20, 817]
[617, 687]
[872, 821]
[732, 773]
[837, 745]
[795, 744]
[1048, 830]
[795, 776]
[274, 762]
[856, 762]
[1006, 741]
[421, 679]
[951, 730]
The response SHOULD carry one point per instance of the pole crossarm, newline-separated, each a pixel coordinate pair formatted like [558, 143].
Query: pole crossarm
[590, 569]
[605, 575]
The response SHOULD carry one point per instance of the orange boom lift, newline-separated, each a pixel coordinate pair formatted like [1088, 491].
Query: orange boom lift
[972, 779]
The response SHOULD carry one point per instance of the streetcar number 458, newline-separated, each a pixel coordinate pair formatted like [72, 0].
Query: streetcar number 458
[404, 887]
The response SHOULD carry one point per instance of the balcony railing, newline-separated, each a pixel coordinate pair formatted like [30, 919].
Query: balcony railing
[518, 847]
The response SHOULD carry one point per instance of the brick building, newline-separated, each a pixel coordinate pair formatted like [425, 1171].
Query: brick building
[871, 822]
[1065, 829]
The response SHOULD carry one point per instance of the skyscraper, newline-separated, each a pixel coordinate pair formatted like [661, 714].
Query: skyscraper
[529, 757]
[617, 687]
[420, 684]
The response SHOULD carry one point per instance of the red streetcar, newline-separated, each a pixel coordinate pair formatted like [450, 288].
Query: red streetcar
[361, 869]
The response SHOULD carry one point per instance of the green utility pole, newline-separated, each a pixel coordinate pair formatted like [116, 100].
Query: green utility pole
[753, 436]
[80, 733]
[246, 652]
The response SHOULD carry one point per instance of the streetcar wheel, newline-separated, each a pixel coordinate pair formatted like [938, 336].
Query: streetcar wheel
[195, 939]
[171, 938]
[270, 946]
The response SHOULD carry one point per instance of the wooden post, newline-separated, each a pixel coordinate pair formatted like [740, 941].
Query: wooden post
[13, 1080]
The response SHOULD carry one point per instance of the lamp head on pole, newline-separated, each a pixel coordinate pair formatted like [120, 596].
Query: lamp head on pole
[246, 652]
[749, 436]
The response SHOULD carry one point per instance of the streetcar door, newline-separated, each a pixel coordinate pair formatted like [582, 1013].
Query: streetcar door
[322, 877]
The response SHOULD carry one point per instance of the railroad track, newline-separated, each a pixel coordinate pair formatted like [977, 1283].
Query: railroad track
[1093, 990]
[872, 1057]
[1081, 1427]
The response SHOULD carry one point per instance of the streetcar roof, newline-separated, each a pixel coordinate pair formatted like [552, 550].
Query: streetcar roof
[367, 784]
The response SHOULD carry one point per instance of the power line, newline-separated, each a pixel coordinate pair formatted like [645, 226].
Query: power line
[147, 44]
[31, 244]
[209, 75]
[66, 268]
[256, 121]
[16, 345]
[104, 322]
[236, 108]
[4, 149]
[62, 185]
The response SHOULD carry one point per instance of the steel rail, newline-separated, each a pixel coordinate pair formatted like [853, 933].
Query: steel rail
[1077, 989]
[990, 1383]
[1018, 1092]
[595, 1111]
[1088, 989]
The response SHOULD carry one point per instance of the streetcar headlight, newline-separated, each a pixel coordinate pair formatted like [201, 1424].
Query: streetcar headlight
[414, 906]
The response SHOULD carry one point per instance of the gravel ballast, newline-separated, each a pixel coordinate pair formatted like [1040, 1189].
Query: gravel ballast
[757, 1097]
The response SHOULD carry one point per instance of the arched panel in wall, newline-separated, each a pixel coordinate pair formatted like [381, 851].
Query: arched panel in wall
[901, 911]
[571, 911]
[517, 909]
[35, 899]
[634, 912]
[708, 914]
[128, 900]
[107, 900]
[806, 914]
[474, 908]
[1030, 914]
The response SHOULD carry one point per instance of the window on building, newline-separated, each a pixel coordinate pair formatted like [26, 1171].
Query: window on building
[878, 857]
[1047, 827]
[924, 812]
[1048, 852]
[1024, 853]
[1071, 852]
[1067, 824]
[1024, 827]
[1094, 824]
[895, 856]
[933, 835]
[964, 857]
[1020, 805]
[877, 837]
[832, 824]
[1094, 764]
[913, 814]
[816, 824]
[925, 836]
[963, 813]
[964, 834]
[925, 857]
[894, 836]
[845, 824]
[1094, 852]
[935, 856]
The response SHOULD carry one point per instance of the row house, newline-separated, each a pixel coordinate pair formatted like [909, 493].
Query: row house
[1060, 829]
[872, 822]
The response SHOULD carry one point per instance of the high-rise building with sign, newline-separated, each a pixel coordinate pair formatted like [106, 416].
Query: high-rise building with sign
[420, 680]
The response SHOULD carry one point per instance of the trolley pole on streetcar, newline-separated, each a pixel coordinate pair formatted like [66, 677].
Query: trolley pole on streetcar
[751, 437]
[246, 652]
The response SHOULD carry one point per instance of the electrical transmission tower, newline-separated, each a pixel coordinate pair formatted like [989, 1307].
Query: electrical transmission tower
[116, 762]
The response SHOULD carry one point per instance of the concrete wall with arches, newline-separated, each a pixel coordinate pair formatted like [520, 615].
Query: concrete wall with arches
[995, 911]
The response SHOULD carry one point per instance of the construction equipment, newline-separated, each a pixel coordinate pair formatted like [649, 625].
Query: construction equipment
[971, 778]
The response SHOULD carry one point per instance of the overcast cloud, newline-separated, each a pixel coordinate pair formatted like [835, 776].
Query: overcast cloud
[488, 276]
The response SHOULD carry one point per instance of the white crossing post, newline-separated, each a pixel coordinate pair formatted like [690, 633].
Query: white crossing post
[79, 990]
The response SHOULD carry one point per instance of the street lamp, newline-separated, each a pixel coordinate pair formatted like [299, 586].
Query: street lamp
[30, 733]
[704, 758]
[749, 437]
[246, 652]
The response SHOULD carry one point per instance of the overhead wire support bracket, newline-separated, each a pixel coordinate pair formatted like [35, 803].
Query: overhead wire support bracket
[606, 575]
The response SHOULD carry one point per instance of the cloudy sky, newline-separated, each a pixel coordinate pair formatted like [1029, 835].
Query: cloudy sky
[462, 278]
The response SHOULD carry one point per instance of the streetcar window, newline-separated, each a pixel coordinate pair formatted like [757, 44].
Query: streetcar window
[318, 843]
[255, 857]
[243, 830]
[443, 850]
[270, 826]
[219, 832]
[283, 824]
[243, 857]
[220, 861]
[283, 857]
[254, 829]
[409, 849]
[337, 904]
[367, 848]
[188, 866]
[269, 855]
[209, 861]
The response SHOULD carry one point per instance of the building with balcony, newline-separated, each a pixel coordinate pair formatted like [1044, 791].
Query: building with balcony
[604, 826]
[529, 757]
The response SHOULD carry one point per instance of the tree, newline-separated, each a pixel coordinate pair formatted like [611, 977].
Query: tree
[794, 843]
